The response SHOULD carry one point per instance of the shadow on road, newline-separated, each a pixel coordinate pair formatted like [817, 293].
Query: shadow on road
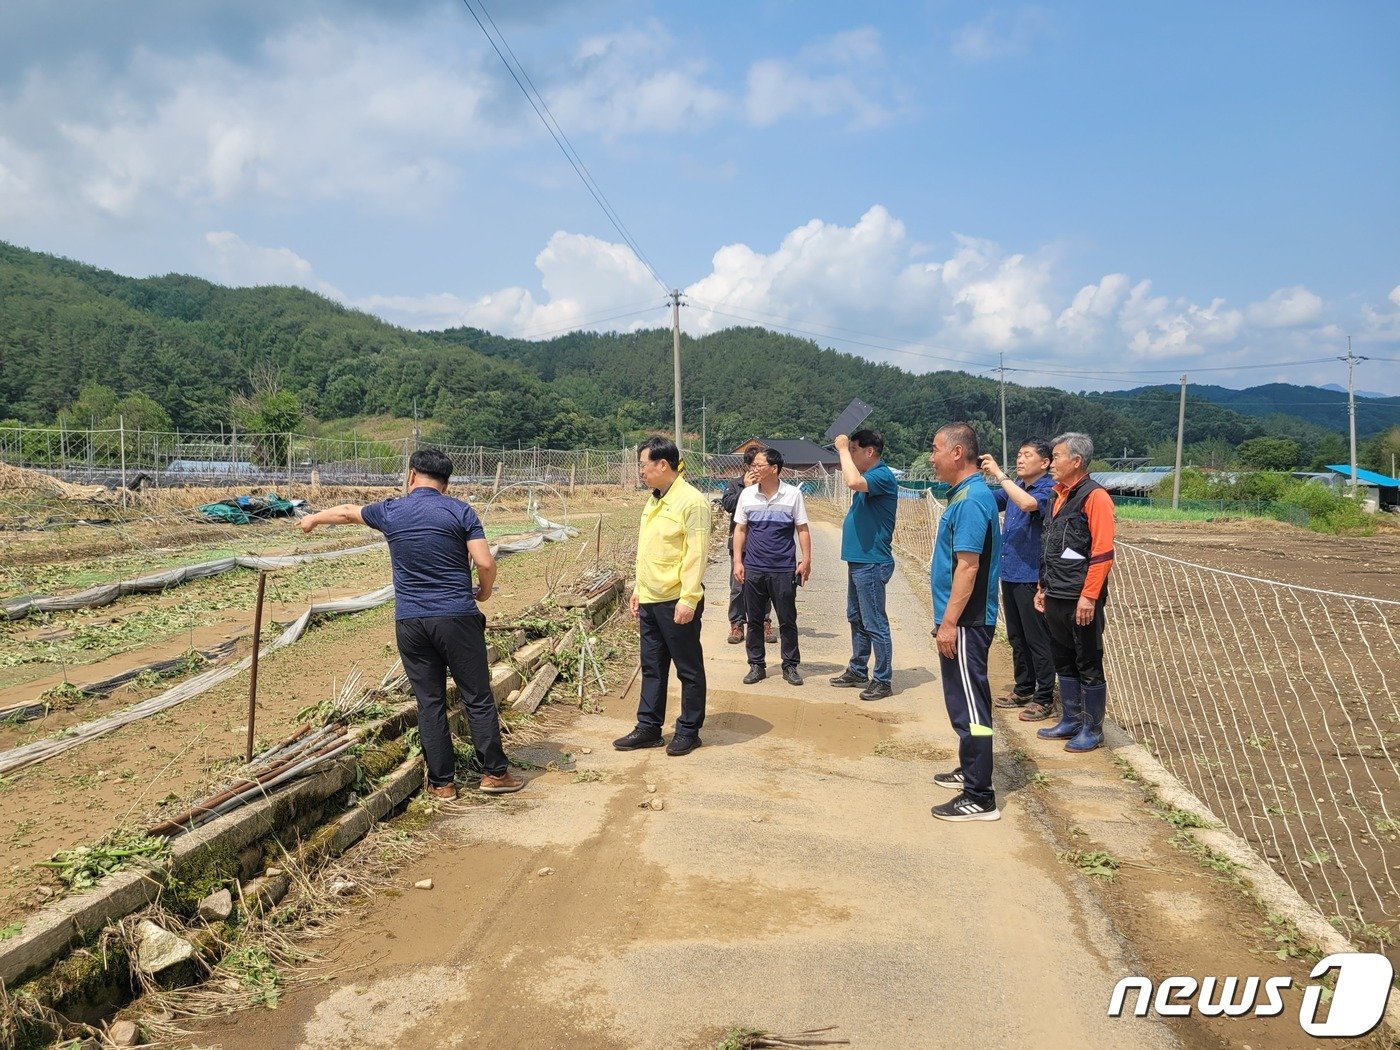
[734, 727]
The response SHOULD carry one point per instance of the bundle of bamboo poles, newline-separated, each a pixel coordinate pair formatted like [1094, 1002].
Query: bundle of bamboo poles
[298, 755]
[306, 750]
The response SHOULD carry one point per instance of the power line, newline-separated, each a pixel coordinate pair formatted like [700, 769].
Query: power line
[758, 318]
[536, 333]
[851, 331]
[1085, 374]
[556, 132]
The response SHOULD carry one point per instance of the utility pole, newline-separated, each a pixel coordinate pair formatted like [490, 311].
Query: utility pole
[1180, 441]
[676, 359]
[704, 444]
[1351, 360]
[1002, 369]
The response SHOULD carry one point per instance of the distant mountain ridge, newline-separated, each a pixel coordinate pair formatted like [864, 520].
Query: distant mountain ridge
[1320, 406]
[1337, 387]
[189, 345]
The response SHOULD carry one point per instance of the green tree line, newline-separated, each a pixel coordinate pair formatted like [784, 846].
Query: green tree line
[88, 345]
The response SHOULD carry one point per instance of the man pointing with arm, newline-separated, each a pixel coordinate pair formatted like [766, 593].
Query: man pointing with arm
[433, 542]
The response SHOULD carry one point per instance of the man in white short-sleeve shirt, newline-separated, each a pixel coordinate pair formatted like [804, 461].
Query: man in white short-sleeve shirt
[772, 558]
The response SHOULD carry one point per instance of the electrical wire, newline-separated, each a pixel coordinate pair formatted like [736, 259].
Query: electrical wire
[716, 307]
[769, 322]
[532, 333]
[783, 324]
[556, 132]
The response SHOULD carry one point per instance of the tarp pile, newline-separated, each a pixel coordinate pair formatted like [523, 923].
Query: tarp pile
[244, 510]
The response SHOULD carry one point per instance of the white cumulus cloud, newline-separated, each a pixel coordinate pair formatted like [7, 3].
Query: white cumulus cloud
[634, 82]
[586, 282]
[838, 76]
[234, 261]
[1286, 308]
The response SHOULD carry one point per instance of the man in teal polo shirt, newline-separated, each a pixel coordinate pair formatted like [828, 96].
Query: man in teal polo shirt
[866, 536]
[963, 576]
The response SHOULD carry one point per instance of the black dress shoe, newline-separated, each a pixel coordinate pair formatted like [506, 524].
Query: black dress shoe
[876, 691]
[849, 680]
[682, 745]
[639, 738]
[791, 677]
[756, 674]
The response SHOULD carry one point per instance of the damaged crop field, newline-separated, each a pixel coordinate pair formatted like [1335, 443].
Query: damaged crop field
[94, 790]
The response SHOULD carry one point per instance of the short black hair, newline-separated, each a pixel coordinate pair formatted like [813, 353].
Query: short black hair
[751, 454]
[657, 447]
[774, 458]
[432, 463]
[962, 434]
[869, 439]
[1041, 446]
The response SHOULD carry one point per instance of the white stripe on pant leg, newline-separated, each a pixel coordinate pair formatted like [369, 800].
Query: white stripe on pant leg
[966, 683]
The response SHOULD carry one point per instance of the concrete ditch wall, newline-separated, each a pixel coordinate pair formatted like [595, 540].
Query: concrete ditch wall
[230, 850]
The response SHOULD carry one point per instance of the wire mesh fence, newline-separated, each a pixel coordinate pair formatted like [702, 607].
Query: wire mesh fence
[117, 456]
[1276, 705]
[123, 455]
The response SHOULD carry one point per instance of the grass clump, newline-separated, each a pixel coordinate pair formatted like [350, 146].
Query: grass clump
[1095, 863]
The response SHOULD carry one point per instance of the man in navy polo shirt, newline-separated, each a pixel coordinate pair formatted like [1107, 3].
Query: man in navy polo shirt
[1027, 501]
[963, 578]
[433, 542]
[771, 526]
[867, 537]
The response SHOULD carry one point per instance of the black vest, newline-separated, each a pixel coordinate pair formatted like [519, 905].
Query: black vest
[1067, 529]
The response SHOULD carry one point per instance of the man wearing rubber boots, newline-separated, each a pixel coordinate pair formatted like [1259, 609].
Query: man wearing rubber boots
[1076, 556]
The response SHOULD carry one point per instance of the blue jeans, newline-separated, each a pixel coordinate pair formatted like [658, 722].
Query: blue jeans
[870, 627]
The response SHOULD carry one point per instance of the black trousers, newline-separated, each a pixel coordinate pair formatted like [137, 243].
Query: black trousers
[430, 646]
[1030, 642]
[780, 590]
[665, 642]
[1077, 651]
[738, 611]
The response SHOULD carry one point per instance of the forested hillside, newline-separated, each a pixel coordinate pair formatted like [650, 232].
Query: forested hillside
[191, 354]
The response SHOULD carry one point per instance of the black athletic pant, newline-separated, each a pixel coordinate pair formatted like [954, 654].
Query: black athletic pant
[665, 642]
[968, 697]
[780, 590]
[1030, 643]
[430, 646]
[1078, 651]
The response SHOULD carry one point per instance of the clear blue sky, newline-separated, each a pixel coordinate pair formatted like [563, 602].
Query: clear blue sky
[1107, 193]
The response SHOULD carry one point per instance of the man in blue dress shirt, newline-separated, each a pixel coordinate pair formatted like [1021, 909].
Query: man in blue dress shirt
[1027, 500]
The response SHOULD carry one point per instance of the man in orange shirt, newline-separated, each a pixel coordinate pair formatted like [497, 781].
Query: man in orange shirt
[1076, 555]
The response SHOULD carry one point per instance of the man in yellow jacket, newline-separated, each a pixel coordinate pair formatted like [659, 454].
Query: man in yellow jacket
[673, 545]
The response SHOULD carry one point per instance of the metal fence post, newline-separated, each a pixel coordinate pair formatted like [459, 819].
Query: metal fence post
[121, 435]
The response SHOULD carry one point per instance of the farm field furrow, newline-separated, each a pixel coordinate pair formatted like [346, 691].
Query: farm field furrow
[133, 775]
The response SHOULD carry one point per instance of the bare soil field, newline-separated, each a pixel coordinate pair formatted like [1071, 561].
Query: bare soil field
[1365, 565]
[1276, 706]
